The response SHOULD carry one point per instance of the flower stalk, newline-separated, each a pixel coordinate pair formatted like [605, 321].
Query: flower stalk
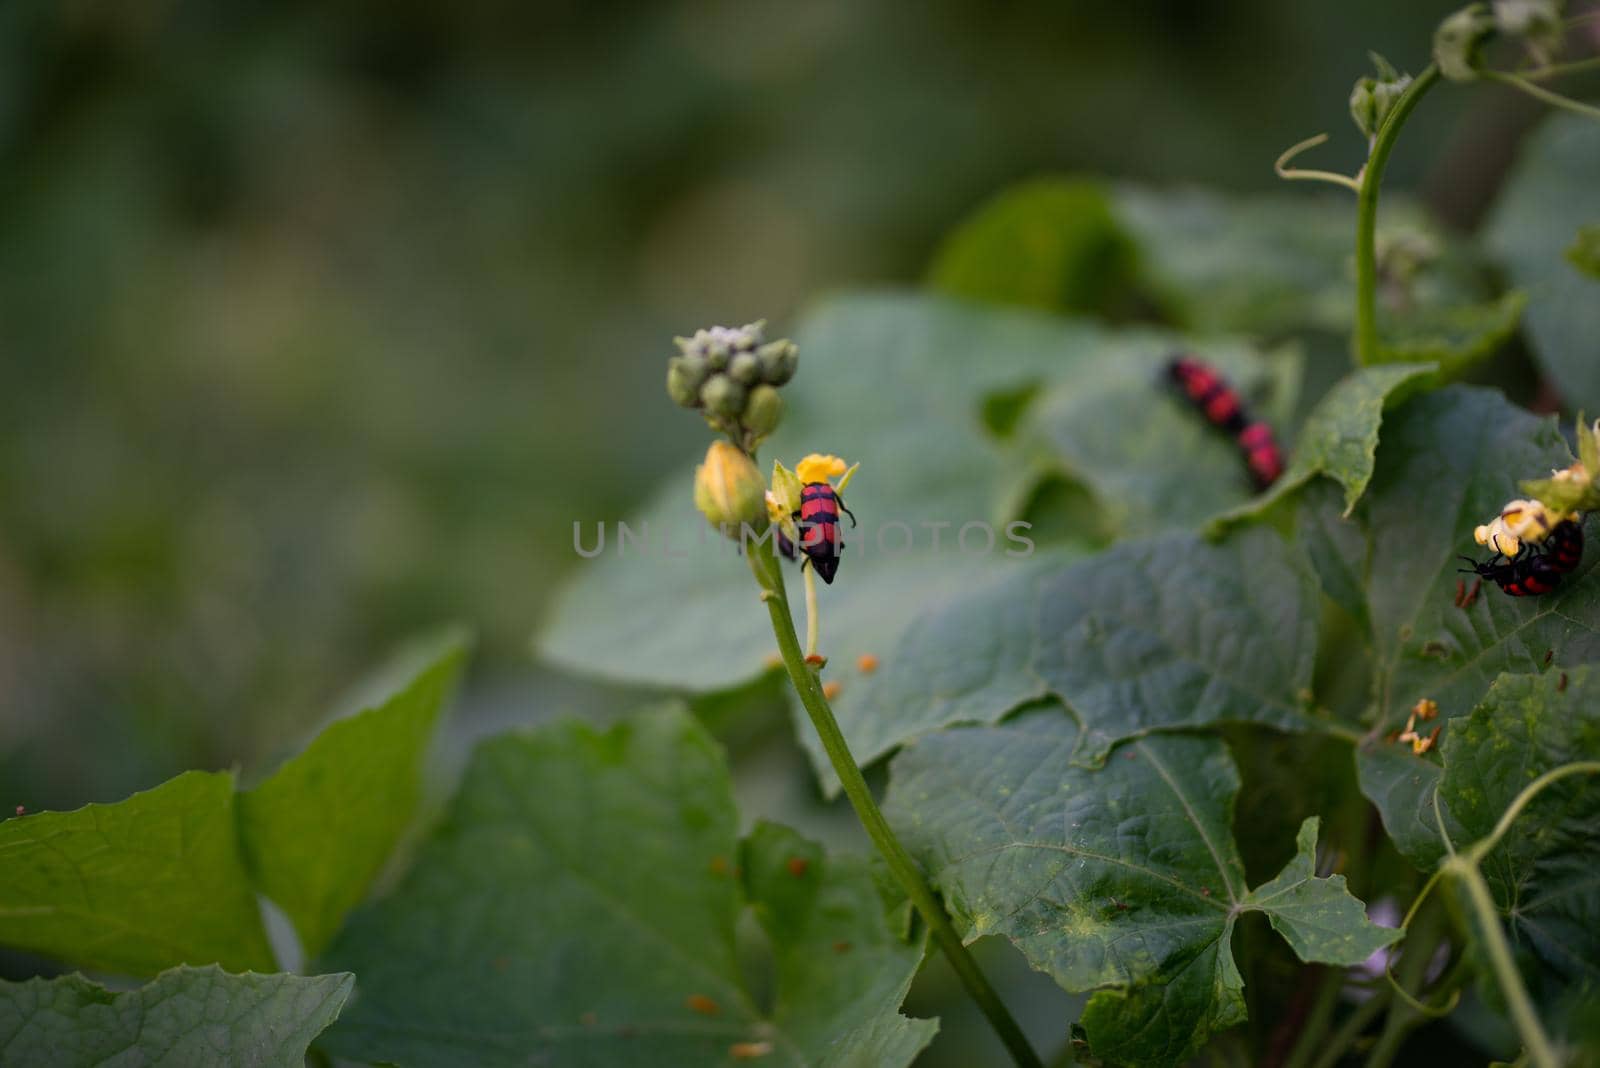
[764, 565]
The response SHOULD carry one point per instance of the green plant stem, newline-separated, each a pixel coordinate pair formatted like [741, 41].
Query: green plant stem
[1539, 92]
[811, 610]
[1420, 945]
[901, 865]
[1534, 1041]
[1316, 1025]
[1366, 340]
[1526, 795]
[1351, 1029]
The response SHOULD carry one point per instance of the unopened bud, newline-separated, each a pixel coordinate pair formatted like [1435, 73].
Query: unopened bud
[722, 396]
[778, 361]
[1373, 99]
[728, 489]
[685, 374]
[763, 411]
[745, 368]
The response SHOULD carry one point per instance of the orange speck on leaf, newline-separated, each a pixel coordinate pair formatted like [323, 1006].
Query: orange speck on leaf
[797, 867]
[702, 1004]
[749, 1051]
[588, 1019]
[817, 660]
[831, 690]
[841, 947]
[719, 865]
[867, 663]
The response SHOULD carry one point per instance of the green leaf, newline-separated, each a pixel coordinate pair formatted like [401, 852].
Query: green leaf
[1340, 436]
[186, 1016]
[1317, 916]
[1151, 460]
[1050, 244]
[1551, 187]
[578, 905]
[1542, 872]
[1124, 877]
[137, 886]
[1265, 264]
[1156, 634]
[840, 969]
[1453, 336]
[1447, 462]
[318, 831]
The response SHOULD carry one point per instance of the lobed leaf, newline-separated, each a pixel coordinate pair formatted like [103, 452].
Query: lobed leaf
[1340, 436]
[578, 904]
[186, 1017]
[318, 831]
[1124, 877]
[1151, 635]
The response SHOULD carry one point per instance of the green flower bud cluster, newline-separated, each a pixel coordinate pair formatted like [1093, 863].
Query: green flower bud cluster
[731, 375]
[1373, 98]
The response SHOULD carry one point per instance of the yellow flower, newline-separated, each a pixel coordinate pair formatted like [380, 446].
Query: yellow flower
[819, 468]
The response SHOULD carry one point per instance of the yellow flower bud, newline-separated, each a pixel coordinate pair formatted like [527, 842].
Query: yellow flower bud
[728, 489]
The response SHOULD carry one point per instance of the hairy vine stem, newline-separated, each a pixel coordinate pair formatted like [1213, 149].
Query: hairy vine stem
[1366, 339]
[764, 565]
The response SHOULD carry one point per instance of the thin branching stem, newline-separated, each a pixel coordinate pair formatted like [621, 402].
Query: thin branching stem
[1539, 92]
[1366, 339]
[1300, 174]
[765, 567]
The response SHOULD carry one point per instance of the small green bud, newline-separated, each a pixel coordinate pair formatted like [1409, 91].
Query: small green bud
[722, 396]
[1373, 99]
[762, 412]
[745, 368]
[778, 361]
[1458, 42]
[728, 489]
[684, 377]
[716, 355]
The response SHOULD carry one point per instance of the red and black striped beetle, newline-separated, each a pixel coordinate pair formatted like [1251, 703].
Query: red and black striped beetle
[818, 519]
[1220, 404]
[1563, 546]
[1530, 575]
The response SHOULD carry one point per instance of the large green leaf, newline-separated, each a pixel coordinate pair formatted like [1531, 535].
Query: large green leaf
[1123, 877]
[1449, 461]
[1552, 190]
[1265, 263]
[1542, 872]
[1154, 634]
[1340, 436]
[135, 887]
[317, 832]
[899, 383]
[1050, 244]
[579, 905]
[197, 1017]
